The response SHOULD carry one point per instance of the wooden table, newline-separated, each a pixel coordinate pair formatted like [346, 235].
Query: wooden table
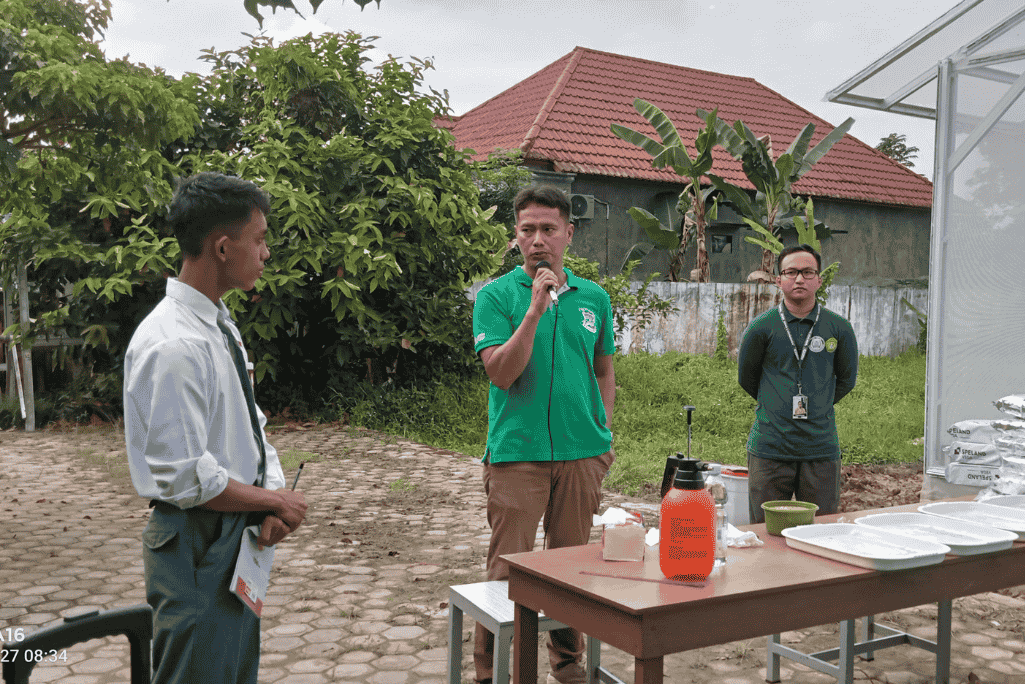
[761, 591]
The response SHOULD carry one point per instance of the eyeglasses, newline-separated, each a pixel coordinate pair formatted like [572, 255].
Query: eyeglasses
[792, 273]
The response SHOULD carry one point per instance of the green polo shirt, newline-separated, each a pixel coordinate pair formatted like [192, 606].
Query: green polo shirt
[768, 371]
[536, 419]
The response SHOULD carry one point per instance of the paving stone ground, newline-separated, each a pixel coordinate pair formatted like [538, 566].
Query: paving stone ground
[359, 593]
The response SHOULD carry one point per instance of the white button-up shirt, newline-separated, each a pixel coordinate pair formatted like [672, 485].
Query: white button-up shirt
[187, 424]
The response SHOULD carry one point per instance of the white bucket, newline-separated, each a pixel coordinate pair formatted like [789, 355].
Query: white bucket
[736, 497]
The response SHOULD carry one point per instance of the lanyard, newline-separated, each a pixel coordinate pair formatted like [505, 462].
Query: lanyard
[799, 356]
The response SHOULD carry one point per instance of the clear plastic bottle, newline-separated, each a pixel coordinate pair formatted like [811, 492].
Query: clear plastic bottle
[716, 488]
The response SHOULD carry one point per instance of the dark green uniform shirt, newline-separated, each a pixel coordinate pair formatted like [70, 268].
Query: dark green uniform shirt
[768, 371]
[536, 419]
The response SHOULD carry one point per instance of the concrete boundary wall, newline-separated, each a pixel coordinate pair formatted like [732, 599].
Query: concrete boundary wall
[882, 323]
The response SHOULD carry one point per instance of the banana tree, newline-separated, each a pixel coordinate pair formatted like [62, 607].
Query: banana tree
[673, 153]
[807, 233]
[773, 206]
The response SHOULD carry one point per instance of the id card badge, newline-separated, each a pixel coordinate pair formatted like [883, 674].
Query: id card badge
[800, 407]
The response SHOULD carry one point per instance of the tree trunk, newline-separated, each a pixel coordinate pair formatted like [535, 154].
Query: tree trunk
[699, 232]
[677, 263]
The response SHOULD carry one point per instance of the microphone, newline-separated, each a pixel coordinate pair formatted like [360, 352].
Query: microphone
[551, 290]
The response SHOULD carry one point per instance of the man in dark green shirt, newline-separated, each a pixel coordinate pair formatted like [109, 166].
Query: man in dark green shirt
[796, 371]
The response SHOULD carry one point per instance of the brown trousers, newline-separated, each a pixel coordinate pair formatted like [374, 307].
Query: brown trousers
[566, 494]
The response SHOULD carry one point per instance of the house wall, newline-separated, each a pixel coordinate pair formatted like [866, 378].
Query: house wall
[875, 244]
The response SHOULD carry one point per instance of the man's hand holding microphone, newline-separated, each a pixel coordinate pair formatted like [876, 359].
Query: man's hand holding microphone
[546, 285]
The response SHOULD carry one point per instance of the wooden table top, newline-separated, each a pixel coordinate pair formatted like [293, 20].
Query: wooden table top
[773, 568]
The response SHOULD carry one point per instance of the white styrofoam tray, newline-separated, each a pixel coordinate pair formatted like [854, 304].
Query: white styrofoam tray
[864, 546]
[963, 538]
[1011, 501]
[1001, 517]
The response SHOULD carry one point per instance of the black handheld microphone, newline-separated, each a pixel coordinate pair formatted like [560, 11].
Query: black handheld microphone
[551, 290]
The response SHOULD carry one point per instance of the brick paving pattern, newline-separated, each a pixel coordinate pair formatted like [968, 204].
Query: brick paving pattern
[359, 593]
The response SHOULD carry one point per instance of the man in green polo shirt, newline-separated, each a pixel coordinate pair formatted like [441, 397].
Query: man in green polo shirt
[546, 339]
[796, 371]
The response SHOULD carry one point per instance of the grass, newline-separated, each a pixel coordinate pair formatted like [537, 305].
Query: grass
[877, 423]
[401, 485]
[293, 457]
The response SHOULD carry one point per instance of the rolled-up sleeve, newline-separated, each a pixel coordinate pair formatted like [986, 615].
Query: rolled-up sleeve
[167, 409]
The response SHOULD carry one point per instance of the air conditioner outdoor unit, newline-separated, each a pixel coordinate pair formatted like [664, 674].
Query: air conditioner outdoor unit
[581, 207]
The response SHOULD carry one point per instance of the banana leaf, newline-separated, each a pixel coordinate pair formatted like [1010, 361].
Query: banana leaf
[799, 147]
[826, 144]
[661, 237]
[663, 126]
[636, 253]
[642, 141]
[734, 195]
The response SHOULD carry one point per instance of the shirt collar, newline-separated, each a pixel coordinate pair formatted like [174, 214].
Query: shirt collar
[523, 278]
[793, 317]
[197, 302]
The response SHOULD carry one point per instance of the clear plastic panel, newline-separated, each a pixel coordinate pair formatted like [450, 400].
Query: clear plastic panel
[946, 40]
[983, 294]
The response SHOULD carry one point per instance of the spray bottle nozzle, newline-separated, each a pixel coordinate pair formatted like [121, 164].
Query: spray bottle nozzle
[688, 475]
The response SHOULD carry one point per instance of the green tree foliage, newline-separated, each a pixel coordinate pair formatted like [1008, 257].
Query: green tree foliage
[376, 227]
[895, 147]
[499, 179]
[253, 6]
[80, 178]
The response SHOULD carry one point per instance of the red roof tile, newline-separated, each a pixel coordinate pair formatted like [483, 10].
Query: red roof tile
[563, 113]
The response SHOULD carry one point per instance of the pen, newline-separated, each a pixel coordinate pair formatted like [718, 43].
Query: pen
[298, 474]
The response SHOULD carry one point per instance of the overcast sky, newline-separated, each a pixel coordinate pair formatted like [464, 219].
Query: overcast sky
[799, 48]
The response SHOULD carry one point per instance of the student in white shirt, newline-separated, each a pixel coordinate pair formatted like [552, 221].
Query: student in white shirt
[195, 447]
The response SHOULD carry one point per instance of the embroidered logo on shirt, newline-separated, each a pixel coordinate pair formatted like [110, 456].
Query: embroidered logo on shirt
[479, 338]
[831, 345]
[590, 321]
[817, 344]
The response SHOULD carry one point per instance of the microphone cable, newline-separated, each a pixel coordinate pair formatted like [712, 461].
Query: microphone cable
[551, 439]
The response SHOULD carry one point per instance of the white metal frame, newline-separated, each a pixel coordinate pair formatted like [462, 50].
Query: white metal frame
[968, 59]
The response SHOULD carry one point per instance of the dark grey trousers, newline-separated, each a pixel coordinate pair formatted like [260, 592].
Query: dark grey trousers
[816, 481]
[201, 631]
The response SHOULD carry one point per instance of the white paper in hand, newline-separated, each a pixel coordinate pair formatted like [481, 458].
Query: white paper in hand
[252, 571]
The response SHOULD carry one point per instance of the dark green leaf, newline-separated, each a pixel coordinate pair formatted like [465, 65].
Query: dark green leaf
[735, 196]
[662, 237]
[9, 155]
[799, 147]
[636, 253]
[826, 144]
[647, 144]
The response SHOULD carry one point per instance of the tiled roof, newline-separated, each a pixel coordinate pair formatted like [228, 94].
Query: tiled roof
[562, 115]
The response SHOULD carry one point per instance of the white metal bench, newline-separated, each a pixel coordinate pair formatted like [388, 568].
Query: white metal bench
[488, 603]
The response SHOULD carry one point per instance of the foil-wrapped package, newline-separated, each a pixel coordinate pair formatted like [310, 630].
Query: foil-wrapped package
[1012, 405]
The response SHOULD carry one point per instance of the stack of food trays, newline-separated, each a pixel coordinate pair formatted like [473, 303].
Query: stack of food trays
[899, 541]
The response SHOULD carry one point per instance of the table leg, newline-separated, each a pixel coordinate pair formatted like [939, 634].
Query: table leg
[648, 671]
[845, 661]
[772, 660]
[868, 632]
[943, 619]
[455, 643]
[525, 645]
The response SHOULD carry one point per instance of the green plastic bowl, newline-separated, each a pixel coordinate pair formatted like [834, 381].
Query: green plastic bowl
[779, 515]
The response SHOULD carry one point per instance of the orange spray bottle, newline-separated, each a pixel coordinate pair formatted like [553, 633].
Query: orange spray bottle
[686, 548]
